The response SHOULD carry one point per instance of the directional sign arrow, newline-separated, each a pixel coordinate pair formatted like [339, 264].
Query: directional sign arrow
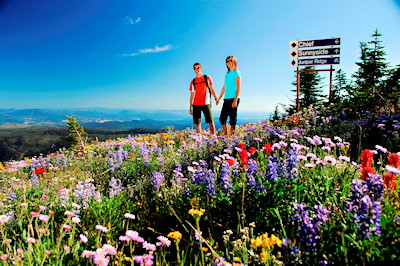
[317, 52]
[316, 43]
[317, 61]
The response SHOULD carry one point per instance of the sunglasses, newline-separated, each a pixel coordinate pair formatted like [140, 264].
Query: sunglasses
[229, 60]
[196, 67]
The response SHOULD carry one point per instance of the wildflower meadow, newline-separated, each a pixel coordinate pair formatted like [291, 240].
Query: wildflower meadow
[275, 193]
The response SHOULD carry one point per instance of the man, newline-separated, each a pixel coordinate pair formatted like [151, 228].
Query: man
[200, 86]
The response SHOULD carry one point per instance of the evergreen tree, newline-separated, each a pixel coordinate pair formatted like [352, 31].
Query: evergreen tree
[310, 88]
[339, 87]
[393, 87]
[370, 88]
[78, 137]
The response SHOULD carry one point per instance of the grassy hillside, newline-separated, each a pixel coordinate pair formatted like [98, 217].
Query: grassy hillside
[271, 194]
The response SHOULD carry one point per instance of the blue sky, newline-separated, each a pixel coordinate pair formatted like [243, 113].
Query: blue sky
[139, 53]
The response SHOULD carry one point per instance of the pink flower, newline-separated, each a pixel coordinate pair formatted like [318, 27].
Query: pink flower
[43, 197]
[43, 217]
[48, 252]
[24, 204]
[164, 241]
[42, 231]
[41, 207]
[148, 246]
[34, 214]
[20, 250]
[68, 213]
[88, 254]
[129, 216]
[76, 220]
[101, 228]
[101, 260]
[133, 235]
[83, 238]
[51, 212]
[67, 227]
[124, 238]
[4, 219]
[4, 257]
[67, 249]
[31, 240]
[109, 249]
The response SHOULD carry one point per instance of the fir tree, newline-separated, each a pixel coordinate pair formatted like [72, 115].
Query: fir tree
[339, 87]
[370, 89]
[393, 87]
[78, 137]
[310, 88]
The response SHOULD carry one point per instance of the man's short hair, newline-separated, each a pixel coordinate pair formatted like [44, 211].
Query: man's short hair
[197, 64]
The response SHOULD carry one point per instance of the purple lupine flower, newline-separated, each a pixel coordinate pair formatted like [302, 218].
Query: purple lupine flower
[144, 152]
[158, 180]
[204, 177]
[309, 226]
[225, 178]
[115, 187]
[178, 175]
[35, 179]
[272, 169]
[292, 164]
[64, 197]
[365, 206]
[251, 172]
[84, 192]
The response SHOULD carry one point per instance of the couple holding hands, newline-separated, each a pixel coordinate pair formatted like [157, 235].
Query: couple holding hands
[199, 102]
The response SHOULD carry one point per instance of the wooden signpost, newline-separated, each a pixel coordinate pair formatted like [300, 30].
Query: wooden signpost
[302, 56]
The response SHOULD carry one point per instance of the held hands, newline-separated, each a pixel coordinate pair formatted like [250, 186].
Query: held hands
[216, 101]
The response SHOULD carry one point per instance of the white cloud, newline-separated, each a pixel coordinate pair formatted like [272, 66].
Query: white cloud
[157, 49]
[131, 54]
[132, 21]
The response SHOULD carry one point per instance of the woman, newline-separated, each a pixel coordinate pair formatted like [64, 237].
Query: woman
[231, 90]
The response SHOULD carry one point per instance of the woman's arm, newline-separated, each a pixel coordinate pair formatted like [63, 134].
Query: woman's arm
[221, 94]
[238, 87]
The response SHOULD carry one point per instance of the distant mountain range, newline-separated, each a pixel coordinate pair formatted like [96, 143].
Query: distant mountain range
[110, 119]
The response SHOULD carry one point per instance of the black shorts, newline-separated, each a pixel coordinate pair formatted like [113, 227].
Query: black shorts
[206, 109]
[227, 110]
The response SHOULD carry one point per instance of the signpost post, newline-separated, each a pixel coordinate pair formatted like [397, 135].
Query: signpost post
[302, 56]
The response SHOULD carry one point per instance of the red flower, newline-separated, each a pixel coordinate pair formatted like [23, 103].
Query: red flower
[388, 180]
[39, 171]
[242, 146]
[267, 147]
[394, 160]
[365, 171]
[366, 158]
[295, 120]
[231, 162]
[252, 150]
[244, 157]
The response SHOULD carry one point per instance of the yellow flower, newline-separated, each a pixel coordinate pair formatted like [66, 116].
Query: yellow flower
[119, 139]
[196, 212]
[237, 259]
[263, 256]
[194, 202]
[127, 258]
[176, 235]
[205, 249]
